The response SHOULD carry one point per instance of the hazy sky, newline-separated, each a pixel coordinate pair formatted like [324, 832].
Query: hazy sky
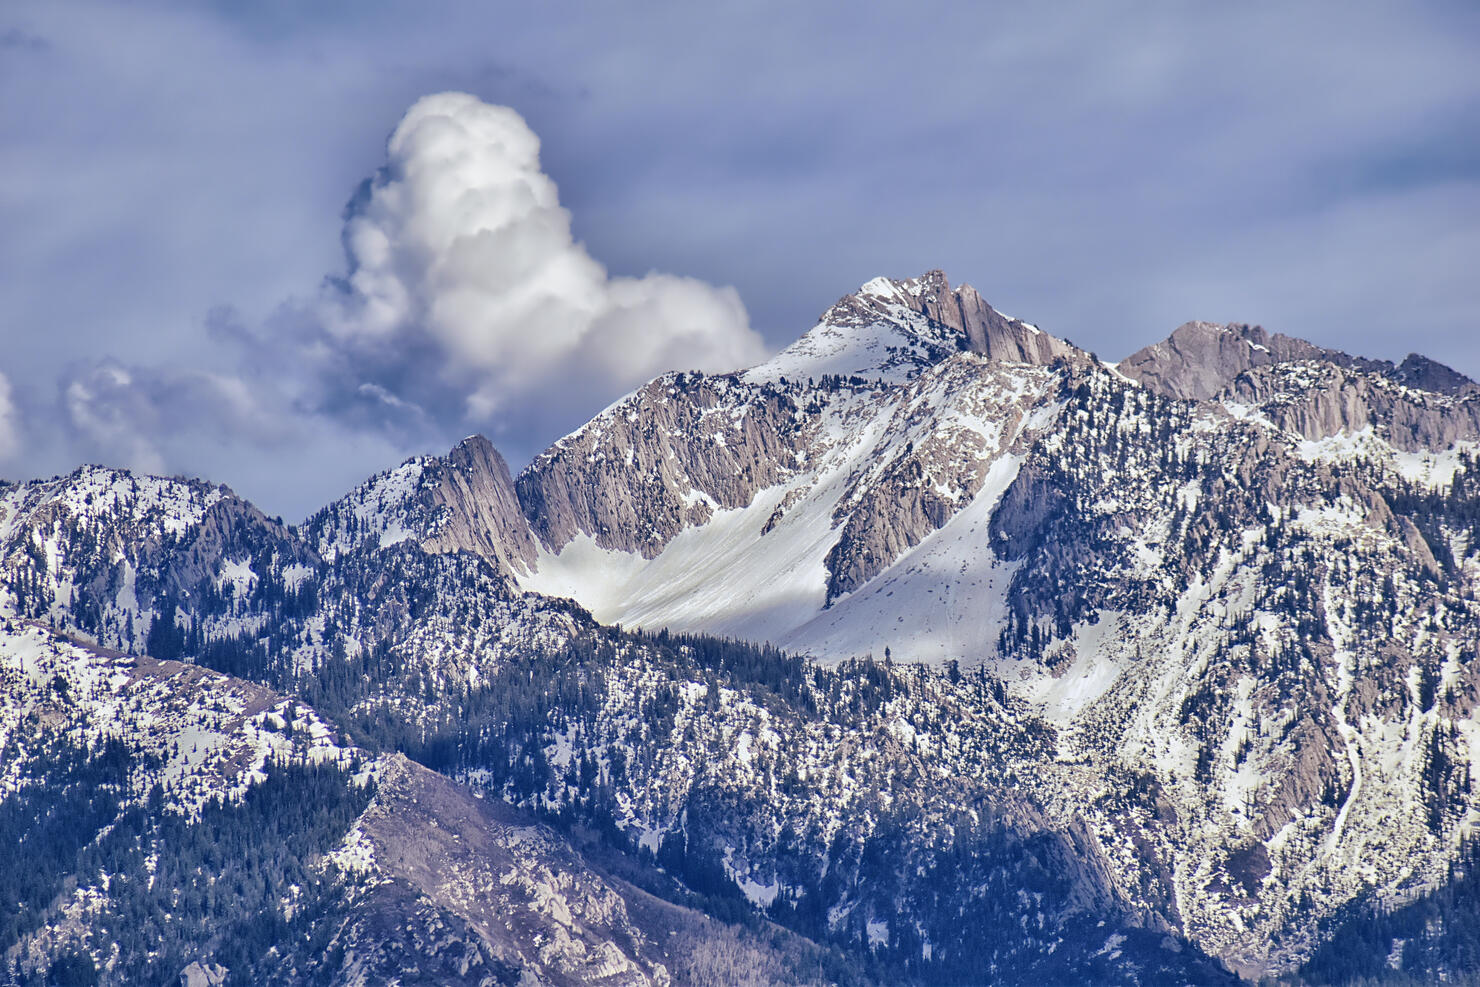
[196, 275]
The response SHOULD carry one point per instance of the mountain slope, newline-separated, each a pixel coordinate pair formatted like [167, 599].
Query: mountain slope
[812, 795]
[168, 817]
[804, 479]
[1197, 632]
[1182, 562]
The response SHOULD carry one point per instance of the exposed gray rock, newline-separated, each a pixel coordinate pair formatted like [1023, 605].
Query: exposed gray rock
[979, 328]
[209, 975]
[916, 494]
[463, 502]
[668, 455]
[1318, 399]
[662, 459]
[471, 506]
[521, 889]
[1420, 372]
[1199, 358]
[230, 530]
[885, 513]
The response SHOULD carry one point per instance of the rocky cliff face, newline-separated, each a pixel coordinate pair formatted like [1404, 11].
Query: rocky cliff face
[1200, 358]
[663, 459]
[1422, 374]
[983, 330]
[949, 428]
[464, 501]
[1196, 590]
[1319, 400]
[895, 328]
[472, 507]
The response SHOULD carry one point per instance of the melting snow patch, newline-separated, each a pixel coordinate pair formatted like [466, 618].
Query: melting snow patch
[759, 895]
[1433, 469]
[295, 574]
[355, 855]
[238, 574]
[650, 840]
[1094, 670]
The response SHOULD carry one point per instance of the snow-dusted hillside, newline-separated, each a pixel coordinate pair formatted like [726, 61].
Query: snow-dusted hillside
[1243, 567]
[148, 795]
[196, 734]
[1196, 639]
[745, 772]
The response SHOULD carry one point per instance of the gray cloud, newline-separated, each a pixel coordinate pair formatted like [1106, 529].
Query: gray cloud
[15, 39]
[10, 424]
[141, 416]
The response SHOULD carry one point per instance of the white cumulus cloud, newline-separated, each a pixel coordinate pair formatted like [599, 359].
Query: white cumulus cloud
[465, 282]
[466, 305]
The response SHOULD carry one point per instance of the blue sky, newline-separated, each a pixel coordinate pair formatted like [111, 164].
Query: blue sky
[176, 179]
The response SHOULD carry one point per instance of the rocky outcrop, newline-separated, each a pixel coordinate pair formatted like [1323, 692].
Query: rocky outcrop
[986, 331]
[1030, 504]
[463, 502]
[895, 330]
[522, 891]
[664, 458]
[686, 445]
[1317, 400]
[929, 477]
[916, 494]
[1199, 358]
[196, 975]
[231, 529]
[978, 327]
[471, 506]
[1420, 372]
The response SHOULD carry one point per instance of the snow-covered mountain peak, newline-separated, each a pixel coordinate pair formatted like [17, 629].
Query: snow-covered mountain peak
[169, 504]
[892, 329]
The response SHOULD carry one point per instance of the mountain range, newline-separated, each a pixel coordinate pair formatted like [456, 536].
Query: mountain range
[934, 649]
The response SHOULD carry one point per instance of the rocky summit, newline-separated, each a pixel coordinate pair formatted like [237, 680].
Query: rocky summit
[932, 650]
